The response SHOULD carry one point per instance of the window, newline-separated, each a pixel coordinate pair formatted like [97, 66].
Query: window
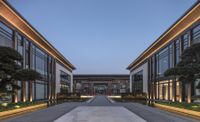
[177, 46]
[163, 61]
[171, 56]
[27, 53]
[138, 82]
[41, 90]
[20, 44]
[65, 77]
[33, 57]
[6, 35]
[19, 92]
[196, 34]
[41, 62]
[152, 67]
[33, 90]
[65, 80]
[27, 90]
[185, 41]
[50, 61]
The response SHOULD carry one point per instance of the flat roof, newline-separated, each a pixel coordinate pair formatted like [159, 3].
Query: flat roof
[101, 76]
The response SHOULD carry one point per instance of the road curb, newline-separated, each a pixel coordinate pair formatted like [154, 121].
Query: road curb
[192, 113]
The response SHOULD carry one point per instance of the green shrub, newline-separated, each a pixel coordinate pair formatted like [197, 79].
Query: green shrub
[11, 106]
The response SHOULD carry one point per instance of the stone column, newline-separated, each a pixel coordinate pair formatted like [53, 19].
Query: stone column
[109, 91]
[189, 93]
[30, 91]
[180, 90]
[173, 90]
[92, 89]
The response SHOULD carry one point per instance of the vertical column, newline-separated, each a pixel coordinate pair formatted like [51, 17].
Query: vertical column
[72, 84]
[180, 91]
[168, 90]
[92, 89]
[30, 91]
[189, 93]
[158, 90]
[130, 83]
[173, 90]
[53, 83]
[15, 96]
[109, 88]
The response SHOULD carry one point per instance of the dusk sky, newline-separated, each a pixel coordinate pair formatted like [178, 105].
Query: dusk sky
[101, 36]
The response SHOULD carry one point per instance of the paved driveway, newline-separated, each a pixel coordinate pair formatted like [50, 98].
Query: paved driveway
[100, 109]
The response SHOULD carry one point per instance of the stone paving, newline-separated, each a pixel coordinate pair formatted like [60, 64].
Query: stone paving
[100, 114]
[105, 112]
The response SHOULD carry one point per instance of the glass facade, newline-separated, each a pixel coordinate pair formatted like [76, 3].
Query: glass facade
[65, 80]
[6, 36]
[177, 51]
[196, 34]
[163, 61]
[27, 54]
[166, 58]
[27, 90]
[41, 90]
[185, 41]
[41, 63]
[138, 82]
[34, 58]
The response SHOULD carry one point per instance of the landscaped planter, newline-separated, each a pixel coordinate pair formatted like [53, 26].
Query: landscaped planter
[8, 113]
[180, 110]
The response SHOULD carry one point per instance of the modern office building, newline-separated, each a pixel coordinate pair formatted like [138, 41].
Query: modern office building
[38, 54]
[101, 84]
[147, 71]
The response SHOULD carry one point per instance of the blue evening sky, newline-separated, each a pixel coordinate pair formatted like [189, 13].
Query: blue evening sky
[101, 36]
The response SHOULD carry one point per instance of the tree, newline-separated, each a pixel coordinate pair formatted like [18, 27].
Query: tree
[11, 71]
[188, 69]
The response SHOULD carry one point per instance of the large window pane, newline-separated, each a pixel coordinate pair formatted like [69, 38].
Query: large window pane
[19, 92]
[27, 90]
[27, 53]
[171, 56]
[65, 80]
[177, 46]
[138, 82]
[163, 61]
[41, 63]
[33, 90]
[185, 41]
[196, 34]
[6, 35]
[40, 91]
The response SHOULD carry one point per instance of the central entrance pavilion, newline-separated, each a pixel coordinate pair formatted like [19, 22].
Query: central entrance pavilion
[91, 84]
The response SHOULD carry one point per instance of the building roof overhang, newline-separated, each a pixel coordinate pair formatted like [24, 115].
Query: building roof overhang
[12, 16]
[191, 16]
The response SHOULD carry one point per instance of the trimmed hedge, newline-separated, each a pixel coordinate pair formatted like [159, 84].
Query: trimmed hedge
[132, 97]
[11, 106]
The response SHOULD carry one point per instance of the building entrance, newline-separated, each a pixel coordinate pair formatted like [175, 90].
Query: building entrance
[100, 88]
